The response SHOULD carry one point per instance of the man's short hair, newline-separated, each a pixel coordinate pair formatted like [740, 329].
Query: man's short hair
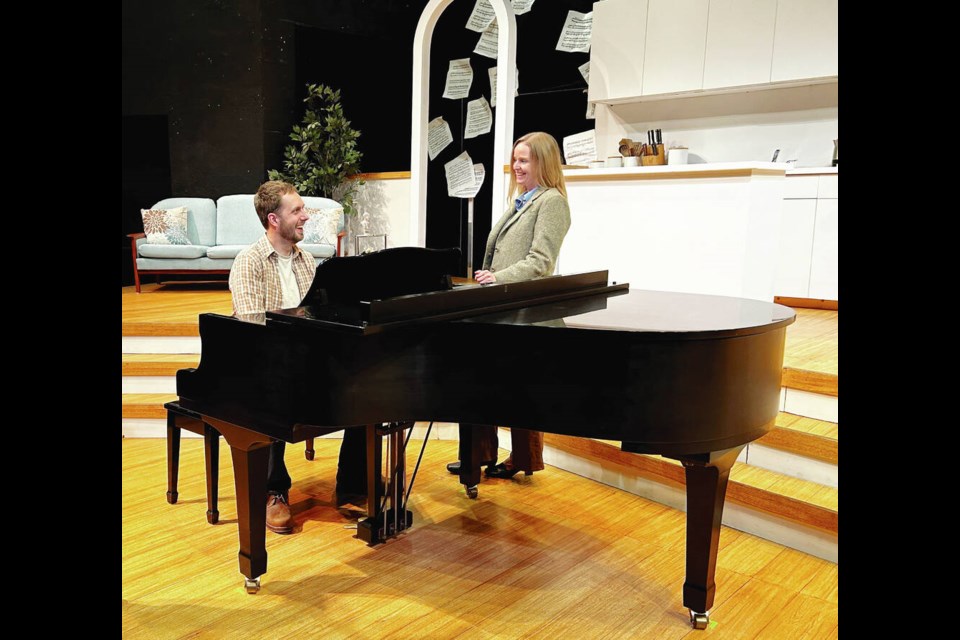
[269, 196]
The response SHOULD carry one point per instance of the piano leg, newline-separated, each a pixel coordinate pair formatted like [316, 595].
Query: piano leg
[706, 477]
[211, 441]
[250, 477]
[173, 457]
[309, 452]
[250, 451]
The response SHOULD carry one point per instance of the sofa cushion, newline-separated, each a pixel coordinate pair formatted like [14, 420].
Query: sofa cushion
[183, 264]
[323, 226]
[237, 221]
[148, 250]
[228, 251]
[165, 226]
[201, 218]
[317, 202]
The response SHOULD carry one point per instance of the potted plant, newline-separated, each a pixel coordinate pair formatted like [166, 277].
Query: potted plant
[324, 155]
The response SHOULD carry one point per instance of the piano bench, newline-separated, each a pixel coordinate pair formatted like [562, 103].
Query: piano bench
[180, 418]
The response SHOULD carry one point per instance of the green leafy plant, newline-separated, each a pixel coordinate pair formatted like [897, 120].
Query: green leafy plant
[324, 154]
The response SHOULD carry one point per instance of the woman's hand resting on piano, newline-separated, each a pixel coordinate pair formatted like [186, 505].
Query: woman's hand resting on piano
[484, 277]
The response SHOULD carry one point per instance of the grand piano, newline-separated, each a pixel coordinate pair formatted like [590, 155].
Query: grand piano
[384, 340]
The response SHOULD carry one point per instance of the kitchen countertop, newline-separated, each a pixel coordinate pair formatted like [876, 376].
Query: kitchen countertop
[807, 171]
[678, 171]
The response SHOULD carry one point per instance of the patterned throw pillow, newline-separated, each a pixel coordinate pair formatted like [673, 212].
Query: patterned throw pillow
[323, 226]
[165, 226]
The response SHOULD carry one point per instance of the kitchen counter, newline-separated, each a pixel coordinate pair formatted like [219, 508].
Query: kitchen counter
[813, 171]
[696, 228]
[679, 171]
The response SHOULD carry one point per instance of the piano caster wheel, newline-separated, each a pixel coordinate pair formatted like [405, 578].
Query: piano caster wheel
[699, 620]
[252, 584]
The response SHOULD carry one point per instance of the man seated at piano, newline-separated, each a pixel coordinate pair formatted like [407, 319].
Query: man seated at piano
[275, 273]
[523, 245]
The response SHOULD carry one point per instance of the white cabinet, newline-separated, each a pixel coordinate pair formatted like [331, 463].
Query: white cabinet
[828, 187]
[651, 49]
[808, 256]
[805, 43]
[796, 239]
[824, 266]
[617, 49]
[801, 187]
[739, 42]
[676, 40]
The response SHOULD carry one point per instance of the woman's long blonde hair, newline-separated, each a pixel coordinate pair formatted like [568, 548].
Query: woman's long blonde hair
[545, 149]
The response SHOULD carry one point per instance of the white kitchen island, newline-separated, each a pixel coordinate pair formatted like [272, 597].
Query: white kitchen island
[698, 228]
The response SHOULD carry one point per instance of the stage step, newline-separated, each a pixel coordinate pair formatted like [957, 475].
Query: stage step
[145, 405]
[816, 439]
[812, 381]
[801, 514]
[156, 364]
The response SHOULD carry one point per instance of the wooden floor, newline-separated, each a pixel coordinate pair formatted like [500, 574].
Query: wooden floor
[552, 555]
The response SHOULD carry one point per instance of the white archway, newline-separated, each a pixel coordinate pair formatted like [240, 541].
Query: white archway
[503, 121]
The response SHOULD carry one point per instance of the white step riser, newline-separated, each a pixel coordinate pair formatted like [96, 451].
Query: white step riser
[793, 465]
[160, 344]
[810, 405]
[148, 384]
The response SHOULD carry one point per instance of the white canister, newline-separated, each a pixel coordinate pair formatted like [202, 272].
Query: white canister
[595, 164]
[631, 161]
[678, 155]
[614, 161]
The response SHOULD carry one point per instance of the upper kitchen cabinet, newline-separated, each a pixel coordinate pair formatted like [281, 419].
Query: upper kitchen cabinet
[676, 38]
[805, 44]
[655, 49]
[739, 43]
[617, 49]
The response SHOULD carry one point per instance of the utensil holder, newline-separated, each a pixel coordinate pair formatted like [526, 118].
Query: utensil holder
[651, 160]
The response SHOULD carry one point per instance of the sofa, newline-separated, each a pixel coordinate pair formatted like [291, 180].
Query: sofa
[207, 237]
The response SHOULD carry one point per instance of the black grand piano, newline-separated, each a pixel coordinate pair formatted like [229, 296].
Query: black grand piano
[384, 340]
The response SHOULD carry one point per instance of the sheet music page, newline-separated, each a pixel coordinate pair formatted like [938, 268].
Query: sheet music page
[584, 70]
[459, 173]
[459, 79]
[487, 44]
[575, 36]
[471, 191]
[481, 17]
[438, 136]
[580, 148]
[479, 118]
[521, 7]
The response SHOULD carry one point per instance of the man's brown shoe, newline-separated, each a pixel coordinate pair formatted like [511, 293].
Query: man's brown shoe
[279, 519]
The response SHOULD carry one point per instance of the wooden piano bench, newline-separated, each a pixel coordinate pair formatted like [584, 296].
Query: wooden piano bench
[180, 418]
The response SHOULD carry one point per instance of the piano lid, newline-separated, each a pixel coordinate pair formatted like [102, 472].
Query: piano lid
[675, 315]
[370, 315]
[383, 274]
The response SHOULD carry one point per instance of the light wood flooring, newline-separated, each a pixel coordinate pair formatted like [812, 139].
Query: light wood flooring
[552, 555]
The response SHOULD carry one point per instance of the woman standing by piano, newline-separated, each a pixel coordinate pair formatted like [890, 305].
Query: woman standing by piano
[523, 245]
